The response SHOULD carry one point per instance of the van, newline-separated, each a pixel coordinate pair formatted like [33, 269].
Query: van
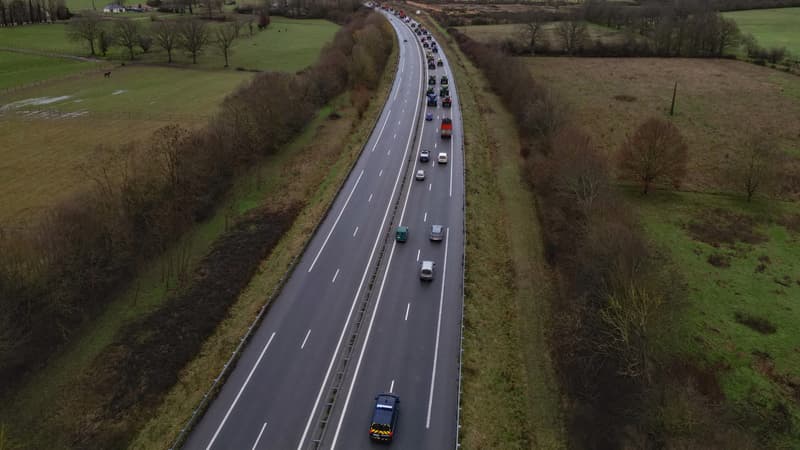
[442, 158]
[426, 270]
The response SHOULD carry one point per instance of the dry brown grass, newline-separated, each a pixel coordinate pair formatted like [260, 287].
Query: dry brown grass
[719, 103]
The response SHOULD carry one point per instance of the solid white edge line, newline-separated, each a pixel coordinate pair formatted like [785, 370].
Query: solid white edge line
[438, 331]
[380, 133]
[325, 242]
[255, 444]
[452, 157]
[239, 394]
[363, 278]
[308, 333]
[423, 69]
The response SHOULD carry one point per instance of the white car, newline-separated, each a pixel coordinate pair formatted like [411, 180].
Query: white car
[420, 175]
[442, 158]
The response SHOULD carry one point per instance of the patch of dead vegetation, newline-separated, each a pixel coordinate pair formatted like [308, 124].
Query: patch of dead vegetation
[723, 227]
[755, 323]
[719, 260]
[765, 365]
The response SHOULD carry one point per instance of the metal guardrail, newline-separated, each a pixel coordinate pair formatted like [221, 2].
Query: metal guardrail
[230, 364]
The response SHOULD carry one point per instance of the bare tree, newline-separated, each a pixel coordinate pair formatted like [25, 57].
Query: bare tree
[728, 35]
[226, 34]
[167, 35]
[86, 28]
[105, 40]
[573, 34]
[755, 168]
[655, 151]
[193, 37]
[145, 42]
[531, 29]
[126, 32]
[629, 317]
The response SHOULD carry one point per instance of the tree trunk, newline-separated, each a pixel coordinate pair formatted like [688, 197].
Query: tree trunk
[91, 46]
[169, 56]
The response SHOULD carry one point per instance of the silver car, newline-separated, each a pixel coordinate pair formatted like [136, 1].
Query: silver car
[437, 233]
[426, 270]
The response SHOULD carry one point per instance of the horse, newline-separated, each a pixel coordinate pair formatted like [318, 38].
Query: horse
[107, 74]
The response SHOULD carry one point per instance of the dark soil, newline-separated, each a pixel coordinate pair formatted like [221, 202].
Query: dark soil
[755, 323]
[135, 372]
[718, 260]
[721, 227]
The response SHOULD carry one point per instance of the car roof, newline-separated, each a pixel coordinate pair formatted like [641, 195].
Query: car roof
[436, 228]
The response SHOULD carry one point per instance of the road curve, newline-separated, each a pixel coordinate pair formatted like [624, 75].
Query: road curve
[278, 395]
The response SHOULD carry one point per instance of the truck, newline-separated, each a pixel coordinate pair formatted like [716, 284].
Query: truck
[447, 128]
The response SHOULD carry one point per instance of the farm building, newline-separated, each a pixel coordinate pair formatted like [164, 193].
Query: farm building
[114, 8]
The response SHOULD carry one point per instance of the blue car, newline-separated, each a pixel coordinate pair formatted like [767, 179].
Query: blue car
[429, 116]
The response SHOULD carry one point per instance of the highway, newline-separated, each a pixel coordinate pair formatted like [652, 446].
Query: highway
[354, 319]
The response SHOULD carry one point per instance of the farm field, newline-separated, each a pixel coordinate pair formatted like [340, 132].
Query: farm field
[128, 106]
[287, 45]
[56, 127]
[489, 33]
[18, 68]
[741, 260]
[778, 27]
[610, 96]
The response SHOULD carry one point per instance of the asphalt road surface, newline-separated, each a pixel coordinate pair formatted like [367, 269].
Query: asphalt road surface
[354, 319]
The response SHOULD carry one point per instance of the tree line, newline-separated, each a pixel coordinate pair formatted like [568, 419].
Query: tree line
[190, 34]
[615, 292]
[58, 273]
[21, 12]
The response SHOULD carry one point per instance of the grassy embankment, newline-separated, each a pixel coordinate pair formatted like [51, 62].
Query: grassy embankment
[741, 260]
[128, 106]
[510, 394]
[778, 27]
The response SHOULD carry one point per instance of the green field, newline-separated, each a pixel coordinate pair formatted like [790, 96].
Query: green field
[286, 45]
[759, 369]
[18, 68]
[128, 106]
[771, 27]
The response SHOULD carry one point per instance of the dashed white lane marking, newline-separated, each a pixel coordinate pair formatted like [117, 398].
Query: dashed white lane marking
[369, 199]
[391, 387]
[380, 173]
[435, 144]
[408, 307]
[355, 232]
[418, 252]
[395, 136]
[239, 394]
[334, 276]
[306, 338]
[430, 186]
[325, 242]
[255, 444]
[425, 217]
[389, 152]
